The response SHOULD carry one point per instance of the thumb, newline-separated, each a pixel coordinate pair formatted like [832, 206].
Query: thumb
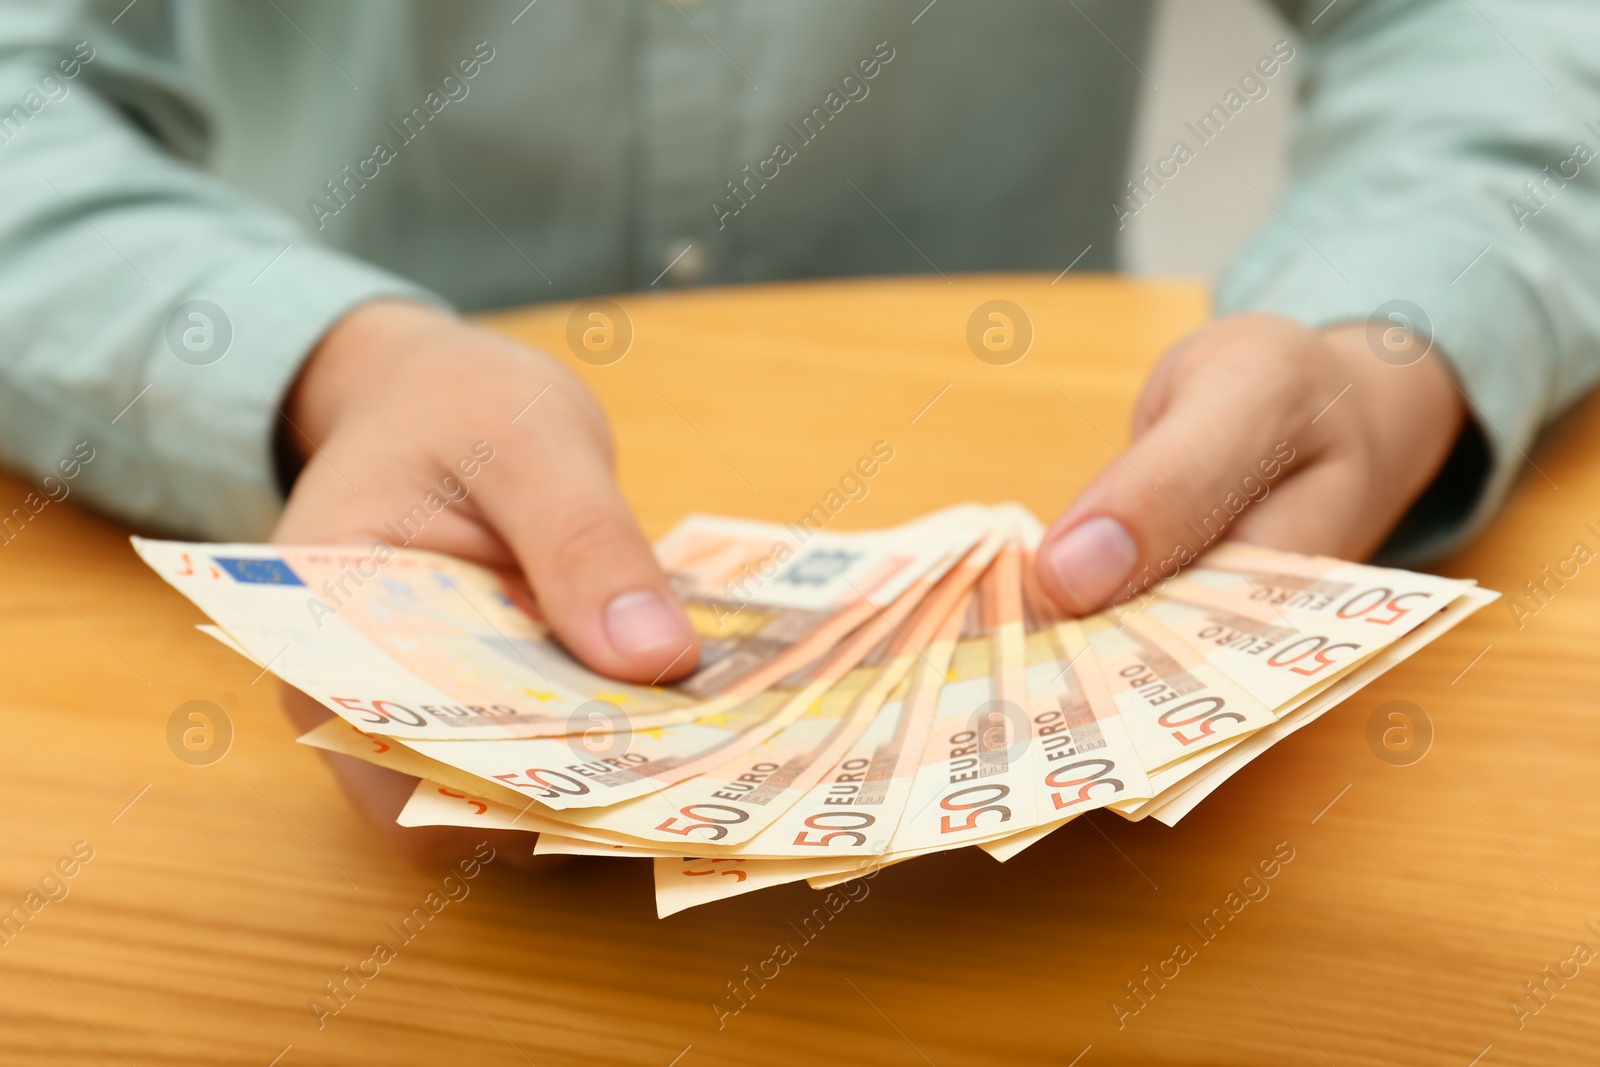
[1214, 451]
[596, 581]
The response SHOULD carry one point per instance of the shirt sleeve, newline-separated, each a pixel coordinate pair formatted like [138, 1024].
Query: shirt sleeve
[1446, 169]
[152, 316]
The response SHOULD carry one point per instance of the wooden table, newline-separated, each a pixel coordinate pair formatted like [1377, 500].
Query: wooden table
[221, 898]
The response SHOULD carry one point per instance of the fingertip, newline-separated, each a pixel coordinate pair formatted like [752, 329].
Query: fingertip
[1085, 566]
[641, 622]
[650, 636]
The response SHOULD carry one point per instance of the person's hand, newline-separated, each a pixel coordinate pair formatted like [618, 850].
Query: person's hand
[397, 396]
[1258, 429]
[384, 413]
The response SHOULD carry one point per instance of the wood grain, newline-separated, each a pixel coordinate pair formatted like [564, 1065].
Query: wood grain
[1413, 911]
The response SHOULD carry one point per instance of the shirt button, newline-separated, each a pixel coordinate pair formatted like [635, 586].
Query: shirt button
[682, 263]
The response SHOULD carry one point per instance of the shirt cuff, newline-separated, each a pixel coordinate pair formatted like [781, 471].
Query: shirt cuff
[208, 420]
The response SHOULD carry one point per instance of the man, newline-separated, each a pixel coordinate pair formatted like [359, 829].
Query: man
[229, 225]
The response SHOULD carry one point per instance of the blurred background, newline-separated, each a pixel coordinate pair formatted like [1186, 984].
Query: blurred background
[1200, 220]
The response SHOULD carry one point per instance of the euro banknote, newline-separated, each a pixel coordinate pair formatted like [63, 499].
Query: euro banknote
[862, 699]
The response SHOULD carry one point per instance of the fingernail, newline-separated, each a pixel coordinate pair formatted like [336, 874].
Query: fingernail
[641, 621]
[1093, 561]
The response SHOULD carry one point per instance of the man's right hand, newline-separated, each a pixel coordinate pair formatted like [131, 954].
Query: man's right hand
[397, 395]
[387, 407]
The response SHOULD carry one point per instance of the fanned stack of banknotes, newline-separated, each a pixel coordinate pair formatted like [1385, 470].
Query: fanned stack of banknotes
[862, 698]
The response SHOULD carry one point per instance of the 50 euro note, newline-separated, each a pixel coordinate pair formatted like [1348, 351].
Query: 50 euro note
[413, 644]
[611, 763]
[1159, 658]
[441, 803]
[1084, 757]
[1279, 624]
[434, 803]
[857, 790]
[1212, 769]
[1237, 576]
[576, 770]
[1239, 595]
[1257, 602]
[823, 874]
[822, 713]
[1282, 627]
[1078, 753]
[852, 808]
[1172, 777]
[1178, 788]
[1012, 706]
[972, 777]
[1170, 699]
[1275, 654]
[891, 748]
[442, 797]
[684, 882]
[1405, 609]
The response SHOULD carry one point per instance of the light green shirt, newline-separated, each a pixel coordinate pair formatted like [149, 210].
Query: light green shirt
[283, 162]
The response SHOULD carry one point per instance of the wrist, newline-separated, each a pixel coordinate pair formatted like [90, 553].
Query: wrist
[1403, 385]
[1405, 395]
[355, 353]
